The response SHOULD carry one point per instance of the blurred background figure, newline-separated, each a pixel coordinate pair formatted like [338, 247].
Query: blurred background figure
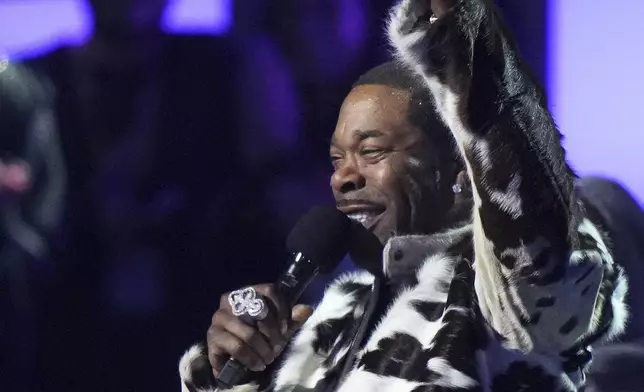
[618, 368]
[147, 123]
[32, 185]
[187, 151]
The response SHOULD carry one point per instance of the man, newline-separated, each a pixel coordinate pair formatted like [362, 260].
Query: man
[32, 185]
[494, 277]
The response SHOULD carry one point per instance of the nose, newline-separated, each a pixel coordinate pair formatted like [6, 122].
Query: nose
[348, 177]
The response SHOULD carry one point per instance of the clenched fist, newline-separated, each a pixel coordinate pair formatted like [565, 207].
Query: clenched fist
[255, 345]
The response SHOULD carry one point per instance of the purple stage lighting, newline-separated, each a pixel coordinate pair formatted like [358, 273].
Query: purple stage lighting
[595, 83]
[32, 27]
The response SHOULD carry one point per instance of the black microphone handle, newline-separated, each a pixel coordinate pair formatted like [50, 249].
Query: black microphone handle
[290, 287]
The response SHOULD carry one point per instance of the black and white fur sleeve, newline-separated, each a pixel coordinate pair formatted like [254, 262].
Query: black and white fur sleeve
[545, 277]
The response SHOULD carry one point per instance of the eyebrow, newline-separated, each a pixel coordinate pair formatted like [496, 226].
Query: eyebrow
[360, 135]
[363, 135]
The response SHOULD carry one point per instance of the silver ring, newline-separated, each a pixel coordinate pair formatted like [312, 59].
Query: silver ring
[246, 301]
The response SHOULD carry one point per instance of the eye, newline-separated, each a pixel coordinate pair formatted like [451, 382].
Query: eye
[371, 151]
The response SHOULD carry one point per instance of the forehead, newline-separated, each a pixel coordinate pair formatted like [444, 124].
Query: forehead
[373, 107]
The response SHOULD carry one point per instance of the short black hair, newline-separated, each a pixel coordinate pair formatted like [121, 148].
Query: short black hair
[421, 111]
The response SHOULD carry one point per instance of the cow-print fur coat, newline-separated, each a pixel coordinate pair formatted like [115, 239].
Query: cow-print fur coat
[512, 300]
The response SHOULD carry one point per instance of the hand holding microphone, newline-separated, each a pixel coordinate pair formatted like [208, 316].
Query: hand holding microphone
[254, 346]
[254, 324]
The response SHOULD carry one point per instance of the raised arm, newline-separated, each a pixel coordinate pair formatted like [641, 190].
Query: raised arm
[545, 278]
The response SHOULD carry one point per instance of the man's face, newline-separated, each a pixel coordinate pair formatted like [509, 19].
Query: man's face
[383, 177]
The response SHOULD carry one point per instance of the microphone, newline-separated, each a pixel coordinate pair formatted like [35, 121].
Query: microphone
[318, 242]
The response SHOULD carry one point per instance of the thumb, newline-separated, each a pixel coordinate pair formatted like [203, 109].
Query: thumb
[299, 315]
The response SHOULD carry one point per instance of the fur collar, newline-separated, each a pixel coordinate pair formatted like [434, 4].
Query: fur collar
[412, 320]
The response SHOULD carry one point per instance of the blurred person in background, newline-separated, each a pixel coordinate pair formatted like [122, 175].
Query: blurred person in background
[32, 185]
[617, 368]
[148, 129]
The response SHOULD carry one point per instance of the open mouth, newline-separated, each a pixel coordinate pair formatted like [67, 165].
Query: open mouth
[365, 214]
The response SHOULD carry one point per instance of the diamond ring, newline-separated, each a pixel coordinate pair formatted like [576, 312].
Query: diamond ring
[246, 301]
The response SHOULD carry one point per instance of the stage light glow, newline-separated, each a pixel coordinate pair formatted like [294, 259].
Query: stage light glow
[595, 82]
[32, 27]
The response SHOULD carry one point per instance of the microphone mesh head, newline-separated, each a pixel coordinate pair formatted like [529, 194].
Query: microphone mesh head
[323, 235]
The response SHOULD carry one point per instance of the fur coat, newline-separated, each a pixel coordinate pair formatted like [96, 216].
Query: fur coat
[511, 301]
[434, 336]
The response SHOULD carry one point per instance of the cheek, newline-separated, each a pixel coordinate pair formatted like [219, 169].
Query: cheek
[392, 178]
[381, 176]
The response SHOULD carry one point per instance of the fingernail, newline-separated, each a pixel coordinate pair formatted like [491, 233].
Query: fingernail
[284, 328]
[277, 349]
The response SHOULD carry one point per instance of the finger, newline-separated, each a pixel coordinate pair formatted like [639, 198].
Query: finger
[270, 328]
[227, 344]
[248, 334]
[223, 302]
[299, 315]
[216, 355]
[276, 303]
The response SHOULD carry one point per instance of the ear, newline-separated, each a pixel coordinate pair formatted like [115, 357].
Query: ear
[463, 179]
[461, 208]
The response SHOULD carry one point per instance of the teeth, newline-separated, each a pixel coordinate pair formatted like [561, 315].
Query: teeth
[360, 217]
